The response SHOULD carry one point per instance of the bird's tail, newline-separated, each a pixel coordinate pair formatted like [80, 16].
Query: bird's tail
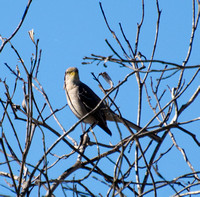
[111, 116]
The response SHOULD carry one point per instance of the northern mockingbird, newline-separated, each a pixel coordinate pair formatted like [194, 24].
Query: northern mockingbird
[81, 100]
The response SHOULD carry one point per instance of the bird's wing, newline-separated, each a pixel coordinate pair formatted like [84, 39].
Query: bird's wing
[90, 100]
[88, 97]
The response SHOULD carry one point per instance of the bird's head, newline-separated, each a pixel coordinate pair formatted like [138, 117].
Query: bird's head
[71, 76]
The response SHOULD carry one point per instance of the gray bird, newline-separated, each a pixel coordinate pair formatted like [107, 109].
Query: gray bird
[81, 100]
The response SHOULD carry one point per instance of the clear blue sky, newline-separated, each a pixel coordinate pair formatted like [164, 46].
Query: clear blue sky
[70, 30]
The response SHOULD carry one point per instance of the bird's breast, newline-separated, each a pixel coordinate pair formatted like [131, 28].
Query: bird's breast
[76, 104]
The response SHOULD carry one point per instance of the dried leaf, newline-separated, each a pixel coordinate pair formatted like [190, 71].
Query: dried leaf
[107, 78]
[31, 34]
[18, 72]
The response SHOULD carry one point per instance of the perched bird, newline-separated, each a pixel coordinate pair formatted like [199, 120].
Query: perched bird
[81, 100]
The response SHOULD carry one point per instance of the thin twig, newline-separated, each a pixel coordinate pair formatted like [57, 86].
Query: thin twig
[4, 40]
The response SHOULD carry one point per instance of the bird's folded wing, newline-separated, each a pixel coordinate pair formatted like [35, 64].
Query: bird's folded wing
[88, 97]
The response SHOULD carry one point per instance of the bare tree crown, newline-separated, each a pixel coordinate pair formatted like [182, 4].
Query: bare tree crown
[133, 165]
